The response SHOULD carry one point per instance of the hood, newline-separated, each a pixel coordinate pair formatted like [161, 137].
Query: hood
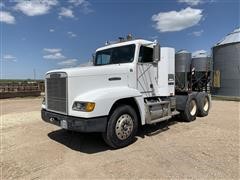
[95, 70]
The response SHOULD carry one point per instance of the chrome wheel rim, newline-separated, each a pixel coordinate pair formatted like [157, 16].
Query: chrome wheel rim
[124, 126]
[206, 104]
[193, 108]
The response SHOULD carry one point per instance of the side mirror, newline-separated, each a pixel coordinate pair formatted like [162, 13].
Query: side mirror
[156, 53]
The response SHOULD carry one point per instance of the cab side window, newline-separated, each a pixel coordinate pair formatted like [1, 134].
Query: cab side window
[104, 57]
[145, 54]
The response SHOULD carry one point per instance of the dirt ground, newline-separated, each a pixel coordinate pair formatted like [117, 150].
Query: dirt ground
[207, 148]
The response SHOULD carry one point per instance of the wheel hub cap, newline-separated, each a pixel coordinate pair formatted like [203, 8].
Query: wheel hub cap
[193, 108]
[124, 126]
[206, 104]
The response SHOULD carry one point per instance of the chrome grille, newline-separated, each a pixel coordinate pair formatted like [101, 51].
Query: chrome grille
[56, 92]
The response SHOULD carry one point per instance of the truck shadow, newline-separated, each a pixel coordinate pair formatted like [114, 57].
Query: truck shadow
[154, 129]
[91, 143]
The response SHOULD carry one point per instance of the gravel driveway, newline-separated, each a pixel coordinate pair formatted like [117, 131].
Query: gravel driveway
[206, 148]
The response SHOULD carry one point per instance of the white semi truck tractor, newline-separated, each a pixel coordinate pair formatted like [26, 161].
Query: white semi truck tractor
[131, 84]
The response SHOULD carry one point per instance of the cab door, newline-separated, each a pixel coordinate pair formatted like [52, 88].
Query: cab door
[146, 72]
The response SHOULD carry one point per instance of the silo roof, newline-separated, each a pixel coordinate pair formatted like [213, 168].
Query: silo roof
[230, 38]
[183, 51]
[199, 54]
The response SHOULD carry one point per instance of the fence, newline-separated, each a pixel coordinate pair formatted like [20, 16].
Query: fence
[20, 89]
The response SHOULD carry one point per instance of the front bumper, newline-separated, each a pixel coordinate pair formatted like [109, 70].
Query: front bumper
[97, 124]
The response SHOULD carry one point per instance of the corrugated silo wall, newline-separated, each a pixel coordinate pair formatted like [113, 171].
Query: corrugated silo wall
[226, 60]
[201, 64]
[182, 69]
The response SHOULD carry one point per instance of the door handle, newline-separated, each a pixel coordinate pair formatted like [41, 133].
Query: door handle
[114, 79]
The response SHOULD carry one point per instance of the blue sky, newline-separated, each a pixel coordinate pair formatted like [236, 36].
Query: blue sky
[49, 34]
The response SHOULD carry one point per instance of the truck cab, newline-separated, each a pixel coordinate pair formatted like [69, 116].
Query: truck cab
[131, 83]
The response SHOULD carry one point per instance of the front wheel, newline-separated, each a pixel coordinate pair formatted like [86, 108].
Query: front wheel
[122, 127]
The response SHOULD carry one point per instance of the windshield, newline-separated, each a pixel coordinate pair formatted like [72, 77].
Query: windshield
[117, 55]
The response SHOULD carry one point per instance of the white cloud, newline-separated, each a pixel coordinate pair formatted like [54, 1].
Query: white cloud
[77, 2]
[68, 63]
[35, 7]
[199, 53]
[83, 4]
[2, 5]
[56, 56]
[53, 53]
[6, 17]
[153, 37]
[177, 20]
[89, 63]
[52, 50]
[9, 57]
[197, 33]
[191, 2]
[196, 2]
[51, 30]
[71, 34]
[65, 12]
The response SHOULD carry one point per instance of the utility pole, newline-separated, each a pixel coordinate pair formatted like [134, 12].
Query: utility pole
[34, 74]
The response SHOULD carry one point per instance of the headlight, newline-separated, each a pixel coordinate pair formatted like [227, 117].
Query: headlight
[83, 106]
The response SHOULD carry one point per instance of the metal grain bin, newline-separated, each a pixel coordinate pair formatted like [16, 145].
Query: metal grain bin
[201, 62]
[226, 65]
[201, 76]
[182, 70]
[183, 61]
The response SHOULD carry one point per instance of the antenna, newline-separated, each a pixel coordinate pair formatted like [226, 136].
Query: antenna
[129, 37]
[121, 39]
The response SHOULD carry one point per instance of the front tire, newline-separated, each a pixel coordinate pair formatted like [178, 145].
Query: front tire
[122, 127]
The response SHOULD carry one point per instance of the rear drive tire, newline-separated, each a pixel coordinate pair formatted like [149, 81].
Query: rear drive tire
[122, 127]
[203, 104]
[190, 112]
